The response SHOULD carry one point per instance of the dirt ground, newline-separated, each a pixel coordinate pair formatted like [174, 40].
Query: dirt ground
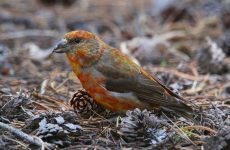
[185, 44]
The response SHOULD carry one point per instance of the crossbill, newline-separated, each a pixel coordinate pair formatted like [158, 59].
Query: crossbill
[113, 80]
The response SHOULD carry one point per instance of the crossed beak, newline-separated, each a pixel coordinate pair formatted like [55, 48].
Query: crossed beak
[61, 47]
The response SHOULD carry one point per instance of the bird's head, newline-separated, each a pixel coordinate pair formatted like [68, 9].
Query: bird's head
[80, 46]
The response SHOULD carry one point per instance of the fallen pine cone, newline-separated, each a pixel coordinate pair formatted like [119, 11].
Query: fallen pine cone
[213, 117]
[143, 128]
[84, 104]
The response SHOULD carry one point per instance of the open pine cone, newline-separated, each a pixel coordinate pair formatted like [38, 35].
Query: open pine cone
[143, 128]
[213, 117]
[84, 104]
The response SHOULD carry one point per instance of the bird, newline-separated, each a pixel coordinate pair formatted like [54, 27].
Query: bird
[113, 80]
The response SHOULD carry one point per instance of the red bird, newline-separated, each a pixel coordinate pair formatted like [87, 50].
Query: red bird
[112, 79]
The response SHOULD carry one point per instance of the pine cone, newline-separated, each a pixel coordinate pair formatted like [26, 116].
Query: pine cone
[59, 129]
[219, 142]
[213, 117]
[84, 104]
[211, 59]
[142, 127]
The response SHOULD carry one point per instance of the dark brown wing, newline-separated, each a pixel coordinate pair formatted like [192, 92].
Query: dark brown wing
[129, 77]
[149, 92]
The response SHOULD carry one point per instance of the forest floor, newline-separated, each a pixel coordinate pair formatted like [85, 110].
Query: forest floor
[186, 45]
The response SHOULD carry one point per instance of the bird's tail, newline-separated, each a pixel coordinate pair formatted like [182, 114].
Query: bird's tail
[180, 108]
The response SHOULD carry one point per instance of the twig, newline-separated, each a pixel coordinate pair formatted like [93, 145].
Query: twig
[16, 141]
[34, 140]
[198, 88]
[61, 84]
[28, 33]
[41, 105]
[177, 73]
[201, 128]
[50, 99]
[179, 131]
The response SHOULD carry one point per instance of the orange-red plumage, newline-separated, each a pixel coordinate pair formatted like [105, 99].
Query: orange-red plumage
[79, 34]
[112, 79]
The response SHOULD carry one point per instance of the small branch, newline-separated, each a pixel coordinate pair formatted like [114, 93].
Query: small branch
[51, 100]
[28, 33]
[16, 141]
[201, 128]
[34, 140]
[179, 131]
[177, 73]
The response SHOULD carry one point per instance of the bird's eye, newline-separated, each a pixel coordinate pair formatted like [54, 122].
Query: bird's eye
[77, 40]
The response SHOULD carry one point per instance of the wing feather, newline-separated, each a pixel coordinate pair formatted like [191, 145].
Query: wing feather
[124, 76]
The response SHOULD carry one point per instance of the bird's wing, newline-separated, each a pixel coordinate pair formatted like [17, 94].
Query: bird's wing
[124, 76]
